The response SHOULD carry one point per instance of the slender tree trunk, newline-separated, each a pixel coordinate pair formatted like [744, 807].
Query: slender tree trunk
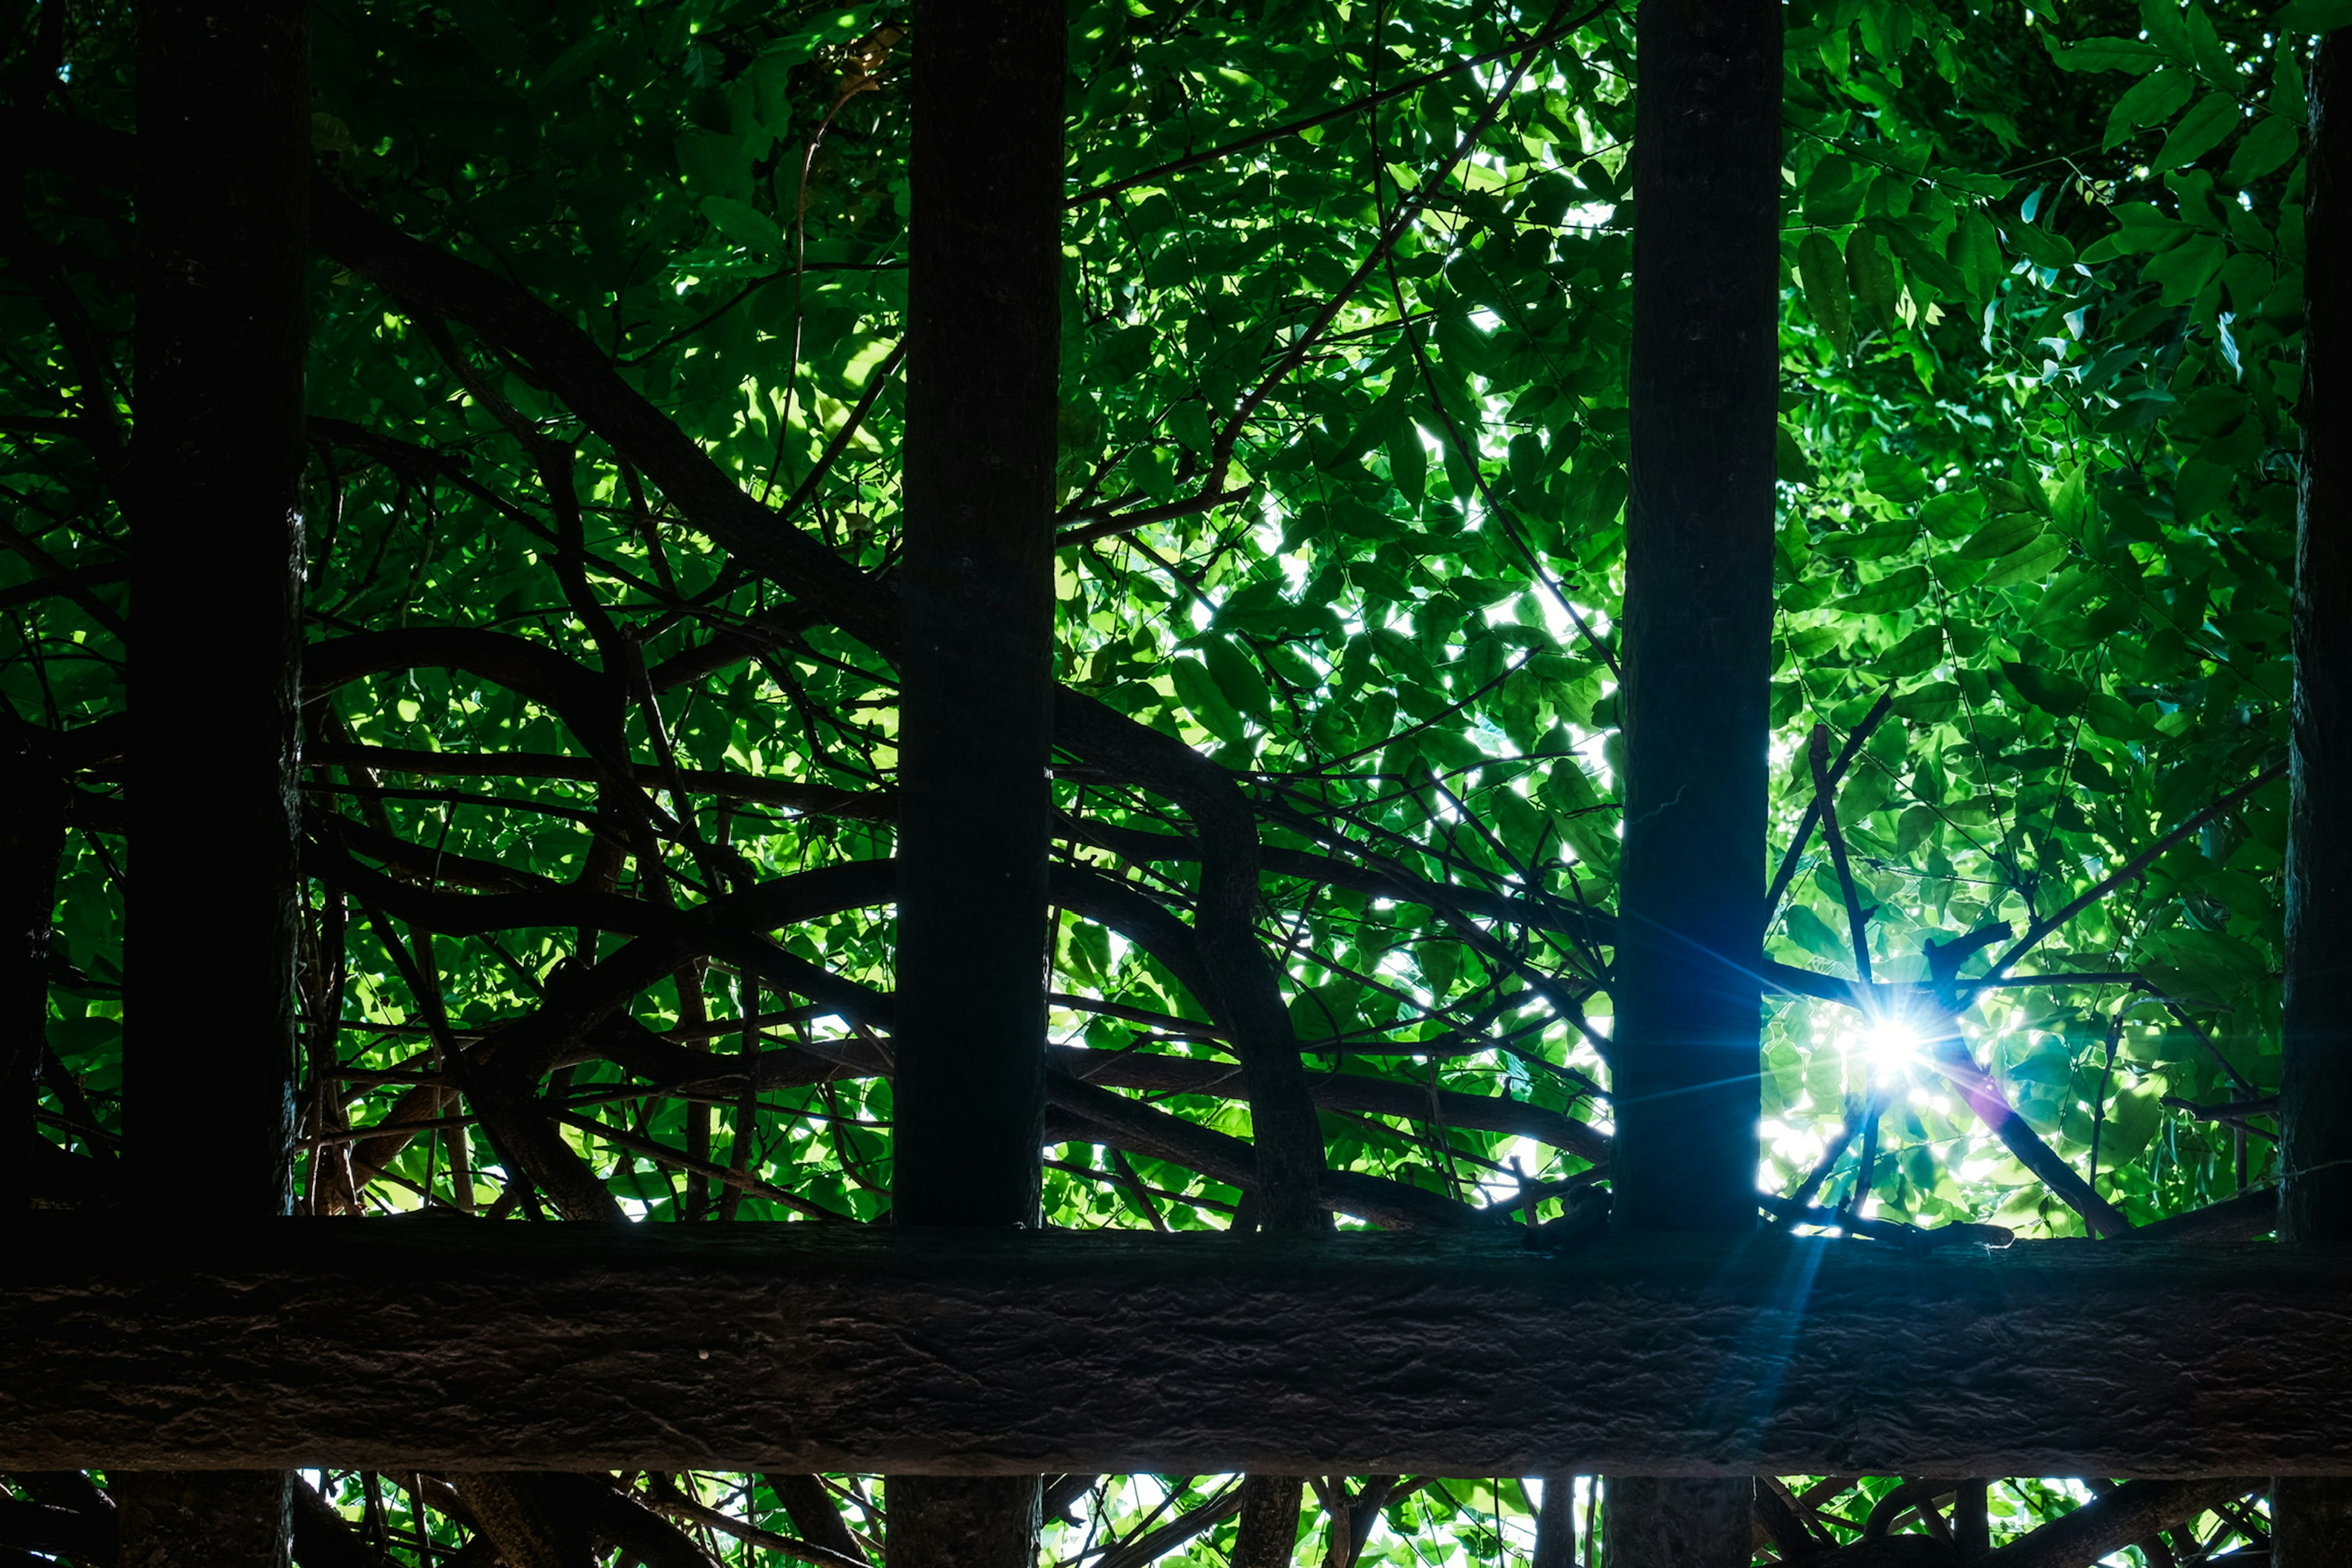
[1698, 622]
[1556, 1525]
[983, 349]
[1267, 1530]
[216, 462]
[32, 835]
[2314, 1514]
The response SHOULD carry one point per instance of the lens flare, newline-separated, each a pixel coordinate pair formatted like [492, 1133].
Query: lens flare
[1888, 1044]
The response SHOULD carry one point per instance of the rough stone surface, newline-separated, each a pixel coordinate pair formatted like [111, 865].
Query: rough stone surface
[463, 1344]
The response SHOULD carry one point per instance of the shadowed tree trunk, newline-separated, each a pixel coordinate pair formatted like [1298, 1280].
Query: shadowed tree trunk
[2314, 1514]
[217, 463]
[983, 344]
[1698, 609]
[1268, 1527]
[32, 835]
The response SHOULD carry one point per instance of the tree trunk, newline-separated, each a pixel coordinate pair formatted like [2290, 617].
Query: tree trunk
[983, 348]
[1697, 622]
[2314, 1515]
[216, 461]
[232, 1519]
[1555, 1524]
[1268, 1528]
[32, 835]
[216, 465]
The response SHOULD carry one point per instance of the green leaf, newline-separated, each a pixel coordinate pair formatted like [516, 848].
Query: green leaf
[1408, 461]
[2183, 271]
[1870, 273]
[2041, 247]
[1236, 675]
[1895, 590]
[2201, 487]
[1926, 267]
[2117, 720]
[1953, 513]
[2166, 28]
[744, 224]
[2152, 99]
[1788, 459]
[1810, 932]
[2004, 534]
[1915, 655]
[2311, 16]
[1974, 250]
[1896, 476]
[1587, 819]
[2274, 139]
[2048, 689]
[2132, 1123]
[2105, 54]
[2202, 129]
[1929, 704]
[1824, 274]
[2033, 563]
[1198, 691]
[1326, 1012]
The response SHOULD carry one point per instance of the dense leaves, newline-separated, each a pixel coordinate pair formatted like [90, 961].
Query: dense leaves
[596, 804]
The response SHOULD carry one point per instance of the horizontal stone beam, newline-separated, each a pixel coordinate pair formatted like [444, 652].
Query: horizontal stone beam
[424, 1344]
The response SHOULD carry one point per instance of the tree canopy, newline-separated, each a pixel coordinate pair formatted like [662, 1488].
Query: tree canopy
[606, 418]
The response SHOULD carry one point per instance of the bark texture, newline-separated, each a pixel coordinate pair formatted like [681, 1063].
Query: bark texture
[216, 466]
[970, 1522]
[1679, 1521]
[1268, 1528]
[2315, 1516]
[983, 354]
[216, 462]
[1698, 609]
[220, 1518]
[461, 1344]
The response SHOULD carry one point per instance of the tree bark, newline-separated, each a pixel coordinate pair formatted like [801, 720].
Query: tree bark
[1267, 1530]
[32, 835]
[1698, 622]
[410, 1344]
[2314, 1516]
[1678, 1521]
[222, 188]
[216, 465]
[1555, 1524]
[236, 1519]
[983, 353]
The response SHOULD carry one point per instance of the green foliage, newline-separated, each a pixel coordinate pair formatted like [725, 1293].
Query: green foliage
[2039, 364]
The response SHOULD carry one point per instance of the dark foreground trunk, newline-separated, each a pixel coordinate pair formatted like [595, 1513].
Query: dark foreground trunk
[982, 352]
[2314, 1515]
[32, 835]
[218, 459]
[1699, 565]
[224, 109]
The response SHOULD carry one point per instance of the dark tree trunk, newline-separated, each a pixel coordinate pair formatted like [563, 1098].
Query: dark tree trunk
[216, 465]
[984, 335]
[983, 351]
[224, 177]
[1267, 1529]
[234, 1518]
[2314, 1515]
[1697, 622]
[1556, 1525]
[32, 835]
